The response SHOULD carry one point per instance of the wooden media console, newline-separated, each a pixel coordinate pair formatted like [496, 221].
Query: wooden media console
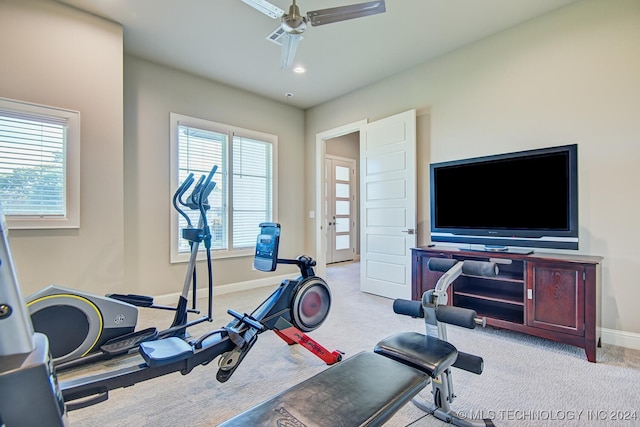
[552, 296]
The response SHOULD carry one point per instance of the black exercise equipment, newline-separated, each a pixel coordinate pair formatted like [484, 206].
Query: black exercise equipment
[295, 306]
[368, 388]
[84, 328]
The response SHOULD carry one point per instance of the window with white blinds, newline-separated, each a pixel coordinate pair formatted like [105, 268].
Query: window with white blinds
[244, 193]
[252, 188]
[39, 165]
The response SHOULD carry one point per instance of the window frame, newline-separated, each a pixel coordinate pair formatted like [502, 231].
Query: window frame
[177, 120]
[71, 164]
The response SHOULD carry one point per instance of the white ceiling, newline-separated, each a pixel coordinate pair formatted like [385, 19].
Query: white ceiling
[224, 40]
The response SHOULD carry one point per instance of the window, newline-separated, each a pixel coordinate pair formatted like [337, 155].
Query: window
[39, 165]
[244, 195]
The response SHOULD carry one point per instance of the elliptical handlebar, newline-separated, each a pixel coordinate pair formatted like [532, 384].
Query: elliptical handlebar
[177, 197]
[193, 201]
[197, 200]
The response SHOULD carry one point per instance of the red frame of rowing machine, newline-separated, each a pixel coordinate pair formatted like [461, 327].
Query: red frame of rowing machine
[292, 335]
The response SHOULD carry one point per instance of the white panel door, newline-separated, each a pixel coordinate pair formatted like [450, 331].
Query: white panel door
[388, 205]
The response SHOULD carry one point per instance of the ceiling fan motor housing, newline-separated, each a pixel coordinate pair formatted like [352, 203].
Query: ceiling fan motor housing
[293, 22]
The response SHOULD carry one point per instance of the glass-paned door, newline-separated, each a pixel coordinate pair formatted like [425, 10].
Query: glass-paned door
[340, 188]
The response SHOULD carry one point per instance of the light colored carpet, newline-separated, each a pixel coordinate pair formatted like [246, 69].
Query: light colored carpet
[526, 381]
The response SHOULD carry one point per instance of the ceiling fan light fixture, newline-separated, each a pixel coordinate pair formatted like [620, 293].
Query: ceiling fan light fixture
[289, 46]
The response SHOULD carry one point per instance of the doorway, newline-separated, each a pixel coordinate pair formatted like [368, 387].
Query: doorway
[341, 208]
[388, 220]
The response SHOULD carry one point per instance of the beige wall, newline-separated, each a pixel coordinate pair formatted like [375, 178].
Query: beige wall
[572, 76]
[151, 93]
[54, 55]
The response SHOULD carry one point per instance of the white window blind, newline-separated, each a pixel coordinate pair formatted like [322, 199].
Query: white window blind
[198, 151]
[252, 188]
[34, 166]
[244, 192]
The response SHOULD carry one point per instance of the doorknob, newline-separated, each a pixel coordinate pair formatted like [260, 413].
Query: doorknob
[410, 231]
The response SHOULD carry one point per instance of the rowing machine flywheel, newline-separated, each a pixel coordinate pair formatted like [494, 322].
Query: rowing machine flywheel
[310, 304]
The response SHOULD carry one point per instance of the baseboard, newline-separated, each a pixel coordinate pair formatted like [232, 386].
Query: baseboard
[620, 338]
[170, 299]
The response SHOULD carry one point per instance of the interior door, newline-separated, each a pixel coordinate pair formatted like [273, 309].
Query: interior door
[340, 208]
[388, 205]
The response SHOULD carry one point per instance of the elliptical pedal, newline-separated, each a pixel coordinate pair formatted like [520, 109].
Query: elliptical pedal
[124, 343]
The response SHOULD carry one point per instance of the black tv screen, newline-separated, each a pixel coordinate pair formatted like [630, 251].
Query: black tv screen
[527, 198]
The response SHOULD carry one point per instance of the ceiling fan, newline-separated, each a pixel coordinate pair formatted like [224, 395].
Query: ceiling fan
[293, 24]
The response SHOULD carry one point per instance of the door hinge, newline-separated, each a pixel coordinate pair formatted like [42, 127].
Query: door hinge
[529, 293]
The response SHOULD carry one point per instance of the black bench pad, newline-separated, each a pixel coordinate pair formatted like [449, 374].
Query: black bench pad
[429, 354]
[364, 390]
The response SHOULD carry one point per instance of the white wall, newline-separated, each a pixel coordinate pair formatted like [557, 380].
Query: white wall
[54, 55]
[572, 76]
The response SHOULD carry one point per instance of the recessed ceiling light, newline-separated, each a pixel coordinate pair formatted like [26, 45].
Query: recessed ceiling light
[299, 69]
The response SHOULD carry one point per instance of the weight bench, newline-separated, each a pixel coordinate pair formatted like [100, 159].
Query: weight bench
[364, 390]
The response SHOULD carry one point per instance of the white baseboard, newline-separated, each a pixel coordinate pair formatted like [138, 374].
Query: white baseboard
[620, 338]
[169, 299]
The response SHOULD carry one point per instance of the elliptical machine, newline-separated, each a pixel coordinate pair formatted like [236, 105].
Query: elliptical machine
[83, 328]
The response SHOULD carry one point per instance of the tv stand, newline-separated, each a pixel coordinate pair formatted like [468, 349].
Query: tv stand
[552, 296]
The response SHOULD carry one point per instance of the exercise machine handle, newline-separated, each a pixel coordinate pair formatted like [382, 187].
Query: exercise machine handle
[444, 313]
[441, 264]
[480, 268]
[197, 200]
[457, 316]
[469, 267]
[193, 199]
[304, 262]
[177, 197]
[208, 185]
[408, 308]
[246, 319]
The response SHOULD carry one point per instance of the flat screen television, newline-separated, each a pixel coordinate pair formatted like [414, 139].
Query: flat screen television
[524, 199]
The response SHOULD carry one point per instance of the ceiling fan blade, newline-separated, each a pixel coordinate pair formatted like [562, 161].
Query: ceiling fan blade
[343, 13]
[289, 46]
[265, 7]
